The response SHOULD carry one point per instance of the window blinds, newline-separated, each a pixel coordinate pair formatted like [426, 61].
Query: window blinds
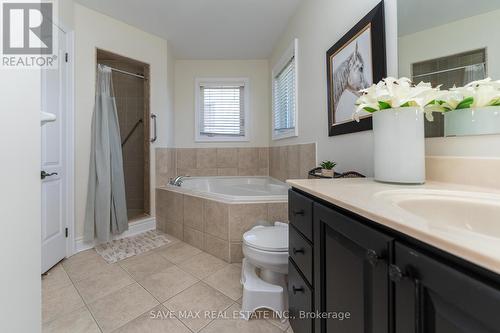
[222, 110]
[284, 98]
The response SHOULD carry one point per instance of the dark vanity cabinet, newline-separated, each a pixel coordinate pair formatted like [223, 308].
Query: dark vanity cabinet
[351, 270]
[300, 268]
[347, 275]
[435, 297]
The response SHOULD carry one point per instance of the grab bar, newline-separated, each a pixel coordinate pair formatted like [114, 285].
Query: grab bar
[153, 116]
[132, 131]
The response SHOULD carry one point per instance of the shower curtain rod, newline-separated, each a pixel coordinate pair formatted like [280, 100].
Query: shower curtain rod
[125, 72]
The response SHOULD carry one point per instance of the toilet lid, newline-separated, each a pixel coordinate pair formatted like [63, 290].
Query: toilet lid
[267, 239]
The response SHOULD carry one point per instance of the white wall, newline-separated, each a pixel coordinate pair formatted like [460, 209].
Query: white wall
[318, 24]
[66, 13]
[456, 37]
[94, 30]
[20, 248]
[256, 70]
[170, 115]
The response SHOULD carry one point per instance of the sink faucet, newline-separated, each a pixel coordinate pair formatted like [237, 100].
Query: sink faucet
[177, 181]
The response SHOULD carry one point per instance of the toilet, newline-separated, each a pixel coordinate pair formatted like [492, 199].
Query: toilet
[265, 269]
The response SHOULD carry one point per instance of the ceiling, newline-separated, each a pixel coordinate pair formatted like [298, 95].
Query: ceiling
[418, 15]
[206, 29]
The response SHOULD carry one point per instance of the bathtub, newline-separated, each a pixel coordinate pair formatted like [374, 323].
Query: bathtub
[212, 213]
[234, 189]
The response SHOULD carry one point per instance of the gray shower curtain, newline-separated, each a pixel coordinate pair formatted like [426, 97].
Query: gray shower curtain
[106, 211]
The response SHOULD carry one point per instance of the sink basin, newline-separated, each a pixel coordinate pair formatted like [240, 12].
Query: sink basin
[460, 212]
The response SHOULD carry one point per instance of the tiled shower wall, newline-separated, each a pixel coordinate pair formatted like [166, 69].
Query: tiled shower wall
[286, 162]
[129, 93]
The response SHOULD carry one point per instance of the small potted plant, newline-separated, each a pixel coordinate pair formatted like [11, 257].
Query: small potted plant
[327, 168]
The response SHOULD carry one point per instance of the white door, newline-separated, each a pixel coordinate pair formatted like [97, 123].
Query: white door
[54, 164]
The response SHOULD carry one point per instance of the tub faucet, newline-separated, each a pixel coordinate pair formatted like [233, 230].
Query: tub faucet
[177, 181]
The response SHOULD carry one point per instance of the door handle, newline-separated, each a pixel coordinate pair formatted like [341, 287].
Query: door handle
[153, 117]
[44, 174]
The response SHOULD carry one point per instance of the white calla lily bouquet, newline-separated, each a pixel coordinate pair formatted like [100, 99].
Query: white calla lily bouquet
[477, 94]
[399, 93]
[396, 93]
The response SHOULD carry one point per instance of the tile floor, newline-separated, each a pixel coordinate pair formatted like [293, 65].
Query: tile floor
[84, 294]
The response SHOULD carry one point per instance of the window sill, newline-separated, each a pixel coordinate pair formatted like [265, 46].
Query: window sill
[221, 139]
[284, 135]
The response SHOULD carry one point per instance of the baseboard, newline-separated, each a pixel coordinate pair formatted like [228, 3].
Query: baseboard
[134, 228]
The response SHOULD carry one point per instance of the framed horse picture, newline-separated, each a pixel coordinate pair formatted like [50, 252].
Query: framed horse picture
[354, 63]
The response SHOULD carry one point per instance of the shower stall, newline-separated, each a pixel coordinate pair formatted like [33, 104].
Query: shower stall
[130, 80]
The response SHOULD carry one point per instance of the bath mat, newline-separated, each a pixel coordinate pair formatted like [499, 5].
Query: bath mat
[127, 247]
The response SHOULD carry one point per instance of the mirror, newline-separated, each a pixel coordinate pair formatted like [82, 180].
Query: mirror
[451, 42]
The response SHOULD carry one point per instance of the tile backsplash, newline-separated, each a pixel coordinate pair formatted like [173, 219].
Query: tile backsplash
[292, 162]
[474, 171]
[223, 161]
[282, 163]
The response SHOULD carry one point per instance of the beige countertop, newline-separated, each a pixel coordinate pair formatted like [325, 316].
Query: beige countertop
[371, 199]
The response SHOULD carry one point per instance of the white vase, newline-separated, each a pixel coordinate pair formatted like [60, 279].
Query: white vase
[399, 145]
[478, 121]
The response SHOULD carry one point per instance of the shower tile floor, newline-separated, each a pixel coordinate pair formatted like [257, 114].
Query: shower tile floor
[152, 292]
[136, 214]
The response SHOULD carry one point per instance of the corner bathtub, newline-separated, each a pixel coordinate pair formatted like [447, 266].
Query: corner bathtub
[234, 189]
[212, 213]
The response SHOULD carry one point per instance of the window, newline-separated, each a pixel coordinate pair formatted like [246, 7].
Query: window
[454, 70]
[285, 86]
[222, 109]
[457, 69]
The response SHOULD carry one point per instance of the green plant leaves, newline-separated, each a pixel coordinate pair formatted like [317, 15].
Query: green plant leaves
[328, 165]
[384, 105]
[495, 102]
[369, 109]
[465, 104]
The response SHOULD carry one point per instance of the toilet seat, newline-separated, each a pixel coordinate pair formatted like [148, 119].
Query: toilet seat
[270, 239]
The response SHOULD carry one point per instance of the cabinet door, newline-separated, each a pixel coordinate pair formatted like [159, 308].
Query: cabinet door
[432, 297]
[300, 211]
[300, 301]
[350, 273]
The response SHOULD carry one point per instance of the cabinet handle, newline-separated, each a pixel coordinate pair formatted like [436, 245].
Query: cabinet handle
[301, 251]
[396, 274]
[299, 212]
[372, 257]
[297, 290]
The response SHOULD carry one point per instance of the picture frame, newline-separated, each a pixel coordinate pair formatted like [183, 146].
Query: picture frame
[355, 62]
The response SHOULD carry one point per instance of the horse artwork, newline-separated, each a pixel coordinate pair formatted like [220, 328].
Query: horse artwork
[352, 72]
[354, 63]
[350, 76]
